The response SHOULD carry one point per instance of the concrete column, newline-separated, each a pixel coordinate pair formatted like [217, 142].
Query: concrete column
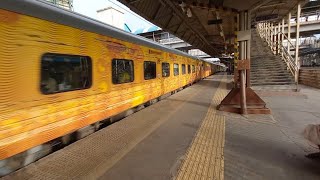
[289, 31]
[297, 42]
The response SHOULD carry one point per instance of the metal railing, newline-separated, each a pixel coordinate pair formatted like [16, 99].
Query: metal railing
[278, 48]
[286, 56]
[170, 40]
[67, 4]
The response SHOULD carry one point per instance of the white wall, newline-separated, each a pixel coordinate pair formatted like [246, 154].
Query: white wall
[111, 16]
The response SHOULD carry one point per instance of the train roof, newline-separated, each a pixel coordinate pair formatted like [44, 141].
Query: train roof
[47, 11]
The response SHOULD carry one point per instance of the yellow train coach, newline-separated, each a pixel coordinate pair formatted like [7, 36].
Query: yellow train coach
[61, 72]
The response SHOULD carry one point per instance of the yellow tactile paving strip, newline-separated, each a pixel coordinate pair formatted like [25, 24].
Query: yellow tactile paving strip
[204, 158]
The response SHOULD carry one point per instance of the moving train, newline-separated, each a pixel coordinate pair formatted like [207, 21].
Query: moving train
[64, 76]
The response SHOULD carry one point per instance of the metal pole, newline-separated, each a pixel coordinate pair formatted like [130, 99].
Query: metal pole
[279, 39]
[271, 34]
[248, 19]
[265, 30]
[267, 33]
[289, 32]
[262, 29]
[282, 36]
[297, 43]
[243, 100]
[275, 39]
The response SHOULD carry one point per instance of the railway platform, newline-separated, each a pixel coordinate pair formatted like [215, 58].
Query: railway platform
[185, 137]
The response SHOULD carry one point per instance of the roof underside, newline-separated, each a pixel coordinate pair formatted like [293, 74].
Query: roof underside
[209, 25]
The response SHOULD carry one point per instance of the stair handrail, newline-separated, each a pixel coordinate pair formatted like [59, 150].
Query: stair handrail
[292, 66]
[286, 56]
[286, 38]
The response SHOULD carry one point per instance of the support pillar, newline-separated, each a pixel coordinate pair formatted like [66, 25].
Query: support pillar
[282, 38]
[243, 51]
[289, 32]
[265, 30]
[279, 39]
[269, 34]
[297, 43]
[248, 47]
[272, 37]
[242, 99]
[275, 36]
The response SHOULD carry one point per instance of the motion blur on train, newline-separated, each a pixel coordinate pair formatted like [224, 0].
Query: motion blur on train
[64, 76]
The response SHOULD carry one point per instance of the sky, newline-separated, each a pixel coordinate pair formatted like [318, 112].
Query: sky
[89, 8]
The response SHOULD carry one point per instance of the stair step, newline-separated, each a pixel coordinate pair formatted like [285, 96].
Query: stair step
[268, 75]
[271, 83]
[271, 63]
[258, 61]
[266, 62]
[272, 78]
[268, 70]
[292, 87]
[275, 71]
[268, 67]
[261, 82]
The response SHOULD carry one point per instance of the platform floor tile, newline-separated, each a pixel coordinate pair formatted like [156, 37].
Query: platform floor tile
[204, 158]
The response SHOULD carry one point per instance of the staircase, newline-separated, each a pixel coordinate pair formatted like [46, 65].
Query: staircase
[268, 71]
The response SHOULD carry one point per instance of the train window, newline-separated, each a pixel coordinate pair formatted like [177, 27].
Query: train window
[150, 70]
[165, 69]
[183, 67]
[61, 73]
[122, 71]
[189, 69]
[175, 69]
[193, 69]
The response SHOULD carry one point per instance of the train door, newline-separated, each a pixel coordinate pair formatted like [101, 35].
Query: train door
[202, 73]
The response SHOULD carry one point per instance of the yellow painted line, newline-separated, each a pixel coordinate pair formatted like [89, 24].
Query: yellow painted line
[204, 158]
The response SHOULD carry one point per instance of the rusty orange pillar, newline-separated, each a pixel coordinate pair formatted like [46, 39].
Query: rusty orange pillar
[242, 99]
